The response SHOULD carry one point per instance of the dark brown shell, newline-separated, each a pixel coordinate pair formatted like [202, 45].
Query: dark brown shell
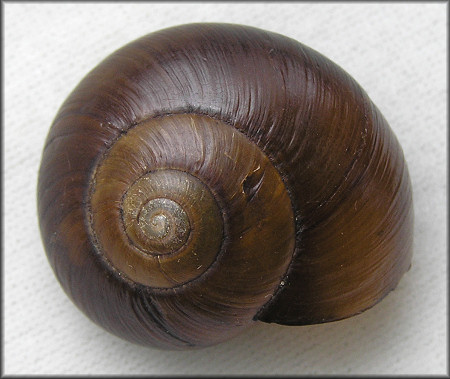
[293, 191]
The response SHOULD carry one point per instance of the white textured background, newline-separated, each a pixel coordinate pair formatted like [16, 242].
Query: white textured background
[397, 52]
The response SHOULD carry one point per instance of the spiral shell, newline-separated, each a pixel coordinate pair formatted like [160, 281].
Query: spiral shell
[207, 176]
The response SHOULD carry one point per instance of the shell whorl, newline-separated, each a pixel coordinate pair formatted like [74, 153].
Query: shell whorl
[215, 189]
[209, 175]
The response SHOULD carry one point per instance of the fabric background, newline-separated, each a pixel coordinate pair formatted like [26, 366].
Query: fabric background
[397, 52]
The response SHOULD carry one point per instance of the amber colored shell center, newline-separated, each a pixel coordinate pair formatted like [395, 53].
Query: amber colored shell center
[177, 194]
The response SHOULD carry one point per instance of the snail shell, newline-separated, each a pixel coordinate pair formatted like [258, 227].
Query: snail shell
[207, 176]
